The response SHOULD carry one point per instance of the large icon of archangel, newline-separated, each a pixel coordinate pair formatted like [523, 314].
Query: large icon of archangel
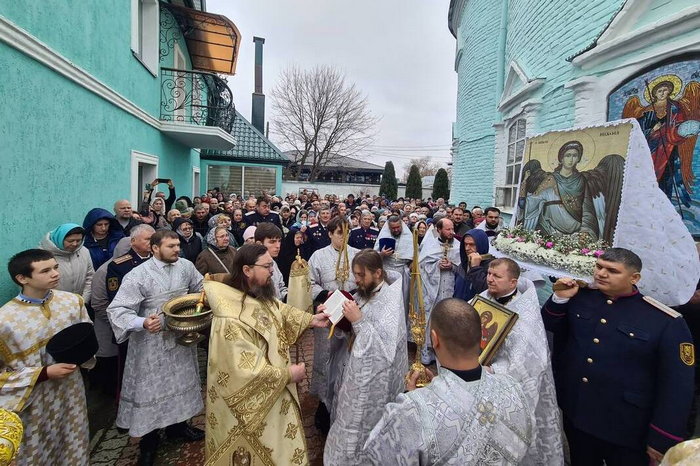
[572, 182]
[670, 122]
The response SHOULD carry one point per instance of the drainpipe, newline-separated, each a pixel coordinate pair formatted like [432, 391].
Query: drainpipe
[500, 75]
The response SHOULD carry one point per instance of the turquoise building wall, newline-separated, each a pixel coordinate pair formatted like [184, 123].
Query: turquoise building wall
[65, 149]
[539, 35]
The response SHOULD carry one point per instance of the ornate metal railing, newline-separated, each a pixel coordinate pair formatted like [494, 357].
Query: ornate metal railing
[196, 97]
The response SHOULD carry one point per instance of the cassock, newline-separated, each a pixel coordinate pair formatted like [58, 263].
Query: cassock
[401, 259]
[485, 421]
[161, 385]
[525, 357]
[437, 284]
[253, 415]
[322, 267]
[53, 411]
[373, 371]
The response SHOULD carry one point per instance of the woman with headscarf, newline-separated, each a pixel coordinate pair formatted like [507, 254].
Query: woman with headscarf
[218, 257]
[221, 220]
[155, 214]
[421, 227]
[291, 243]
[74, 261]
[102, 233]
[471, 275]
[191, 243]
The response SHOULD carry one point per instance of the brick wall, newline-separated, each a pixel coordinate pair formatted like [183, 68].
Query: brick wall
[541, 34]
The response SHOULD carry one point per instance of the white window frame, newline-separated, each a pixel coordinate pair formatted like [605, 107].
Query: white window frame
[196, 181]
[137, 188]
[514, 164]
[145, 33]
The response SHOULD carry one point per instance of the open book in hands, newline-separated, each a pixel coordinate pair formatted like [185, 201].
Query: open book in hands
[334, 309]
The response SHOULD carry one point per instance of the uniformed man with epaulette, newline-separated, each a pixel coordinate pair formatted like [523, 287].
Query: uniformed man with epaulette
[318, 234]
[365, 235]
[262, 214]
[623, 366]
[139, 253]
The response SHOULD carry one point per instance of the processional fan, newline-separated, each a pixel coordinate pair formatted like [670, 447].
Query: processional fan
[299, 294]
[416, 313]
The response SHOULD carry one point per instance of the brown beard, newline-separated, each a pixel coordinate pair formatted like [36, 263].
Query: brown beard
[265, 293]
[366, 293]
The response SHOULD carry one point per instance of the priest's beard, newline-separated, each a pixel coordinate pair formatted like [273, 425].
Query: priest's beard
[265, 293]
[366, 292]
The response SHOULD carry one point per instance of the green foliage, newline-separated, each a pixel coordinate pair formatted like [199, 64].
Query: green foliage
[389, 187]
[414, 185]
[441, 185]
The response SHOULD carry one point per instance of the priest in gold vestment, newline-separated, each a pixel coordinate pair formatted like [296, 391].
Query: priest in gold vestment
[253, 415]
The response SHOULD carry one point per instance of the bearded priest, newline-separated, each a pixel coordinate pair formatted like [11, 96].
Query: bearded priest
[253, 415]
[375, 363]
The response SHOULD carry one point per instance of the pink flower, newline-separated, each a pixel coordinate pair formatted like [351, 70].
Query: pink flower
[598, 253]
[520, 239]
[549, 245]
[585, 251]
[509, 236]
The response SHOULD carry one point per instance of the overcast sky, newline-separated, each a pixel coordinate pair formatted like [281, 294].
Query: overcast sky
[399, 53]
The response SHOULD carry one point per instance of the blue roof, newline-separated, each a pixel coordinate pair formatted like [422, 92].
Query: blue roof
[251, 146]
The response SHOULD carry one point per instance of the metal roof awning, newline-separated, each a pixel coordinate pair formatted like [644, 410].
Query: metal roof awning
[212, 40]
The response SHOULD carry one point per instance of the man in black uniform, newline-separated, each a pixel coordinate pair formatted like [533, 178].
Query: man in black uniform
[623, 366]
[318, 234]
[365, 235]
[139, 253]
[262, 214]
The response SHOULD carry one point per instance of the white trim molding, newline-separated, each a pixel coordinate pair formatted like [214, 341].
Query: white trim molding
[515, 75]
[136, 190]
[619, 40]
[24, 42]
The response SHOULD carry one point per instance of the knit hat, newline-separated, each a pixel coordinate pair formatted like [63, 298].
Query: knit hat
[181, 205]
[249, 233]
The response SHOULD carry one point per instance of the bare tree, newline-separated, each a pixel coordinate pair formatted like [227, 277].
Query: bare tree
[426, 166]
[320, 117]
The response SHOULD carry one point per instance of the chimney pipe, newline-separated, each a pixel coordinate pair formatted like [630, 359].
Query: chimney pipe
[258, 108]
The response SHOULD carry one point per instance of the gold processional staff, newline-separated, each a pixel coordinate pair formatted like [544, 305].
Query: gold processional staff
[416, 313]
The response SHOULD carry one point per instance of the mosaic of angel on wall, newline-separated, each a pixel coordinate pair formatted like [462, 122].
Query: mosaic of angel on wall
[666, 103]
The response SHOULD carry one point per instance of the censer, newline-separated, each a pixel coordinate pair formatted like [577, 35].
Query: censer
[188, 315]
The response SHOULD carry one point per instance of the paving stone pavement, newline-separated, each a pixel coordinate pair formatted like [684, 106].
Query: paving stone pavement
[111, 447]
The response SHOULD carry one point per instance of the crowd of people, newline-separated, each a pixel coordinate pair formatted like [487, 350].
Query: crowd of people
[613, 383]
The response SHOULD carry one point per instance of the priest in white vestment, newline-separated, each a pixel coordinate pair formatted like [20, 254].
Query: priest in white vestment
[438, 261]
[374, 365]
[464, 416]
[525, 357]
[161, 385]
[328, 271]
[400, 256]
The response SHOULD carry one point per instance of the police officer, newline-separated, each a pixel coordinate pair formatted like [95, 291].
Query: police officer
[365, 235]
[262, 214]
[318, 234]
[623, 366]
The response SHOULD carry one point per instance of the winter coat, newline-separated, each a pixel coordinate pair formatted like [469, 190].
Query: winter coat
[75, 267]
[99, 254]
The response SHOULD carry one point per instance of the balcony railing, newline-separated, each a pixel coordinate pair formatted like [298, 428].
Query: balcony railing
[197, 98]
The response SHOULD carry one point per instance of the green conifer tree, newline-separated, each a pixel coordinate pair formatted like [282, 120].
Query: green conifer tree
[414, 185]
[389, 187]
[441, 185]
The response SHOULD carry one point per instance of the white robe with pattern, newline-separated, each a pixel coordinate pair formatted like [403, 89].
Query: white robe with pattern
[453, 422]
[373, 372]
[525, 357]
[161, 384]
